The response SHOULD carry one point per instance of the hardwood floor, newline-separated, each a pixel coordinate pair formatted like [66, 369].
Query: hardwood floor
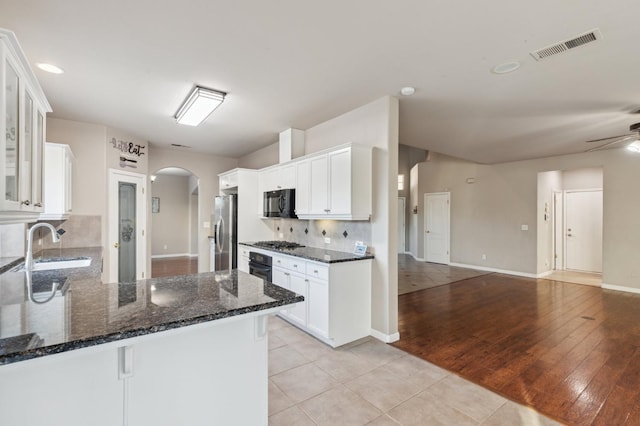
[414, 275]
[570, 351]
[171, 266]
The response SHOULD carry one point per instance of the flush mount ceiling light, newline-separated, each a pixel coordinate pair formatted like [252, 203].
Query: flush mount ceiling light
[407, 91]
[506, 67]
[634, 146]
[200, 103]
[50, 68]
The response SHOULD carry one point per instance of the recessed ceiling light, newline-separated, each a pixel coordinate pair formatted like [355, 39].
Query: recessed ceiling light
[407, 91]
[50, 68]
[506, 67]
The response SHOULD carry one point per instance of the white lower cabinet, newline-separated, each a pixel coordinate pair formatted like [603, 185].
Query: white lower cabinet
[298, 312]
[318, 315]
[206, 374]
[337, 306]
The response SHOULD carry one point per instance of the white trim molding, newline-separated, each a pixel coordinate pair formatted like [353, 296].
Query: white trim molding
[419, 259]
[160, 256]
[386, 338]
[500, 271]
[621, 288]
[544, 274]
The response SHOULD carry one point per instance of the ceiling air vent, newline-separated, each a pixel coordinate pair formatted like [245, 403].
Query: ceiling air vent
[566, 45]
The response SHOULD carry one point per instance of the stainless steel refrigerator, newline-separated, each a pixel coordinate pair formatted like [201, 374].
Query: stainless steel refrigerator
[225, 232]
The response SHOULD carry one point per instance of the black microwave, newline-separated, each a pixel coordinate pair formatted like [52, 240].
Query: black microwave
[281, 203]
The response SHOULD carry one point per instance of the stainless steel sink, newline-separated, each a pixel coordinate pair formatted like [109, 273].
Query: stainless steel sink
[59, 263]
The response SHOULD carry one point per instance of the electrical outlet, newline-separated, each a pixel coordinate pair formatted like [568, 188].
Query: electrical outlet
[165, 247]
[206, 225]
[281, 235]
[524, 227]
[327, 240]
[484, 257]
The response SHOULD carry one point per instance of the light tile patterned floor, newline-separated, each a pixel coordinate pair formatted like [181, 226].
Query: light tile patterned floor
[370, 383]
[414, 275]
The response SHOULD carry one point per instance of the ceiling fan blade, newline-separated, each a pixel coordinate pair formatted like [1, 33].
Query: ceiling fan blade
[610, 137]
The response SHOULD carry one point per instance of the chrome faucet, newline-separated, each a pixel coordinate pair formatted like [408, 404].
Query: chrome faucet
[28, 261]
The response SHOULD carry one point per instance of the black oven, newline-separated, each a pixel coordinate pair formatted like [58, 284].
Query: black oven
[260, 265]
[281, 203]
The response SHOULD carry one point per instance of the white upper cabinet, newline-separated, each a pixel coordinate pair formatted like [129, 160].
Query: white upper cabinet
[340, 185]
[58, 182]
[278, 177]
[228, 180]
[24, 107]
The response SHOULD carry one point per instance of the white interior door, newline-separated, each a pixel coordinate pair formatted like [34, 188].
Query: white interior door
[583, 230]
[401, 224]
[436, 227]
[127, 224]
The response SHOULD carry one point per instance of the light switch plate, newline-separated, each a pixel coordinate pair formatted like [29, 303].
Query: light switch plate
[524, 227]
[206, 225]
[280, 235]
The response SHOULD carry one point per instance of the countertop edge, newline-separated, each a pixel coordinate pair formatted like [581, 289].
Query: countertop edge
[128, 334]
[355, 258]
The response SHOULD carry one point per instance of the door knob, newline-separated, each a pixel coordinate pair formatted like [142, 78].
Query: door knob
[117, 245]
[428, 232]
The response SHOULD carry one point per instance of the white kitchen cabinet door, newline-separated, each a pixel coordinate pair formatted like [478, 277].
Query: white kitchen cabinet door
[318, 185]
[303, 179]
[280, 277]
[31, 391]
[318, 307]
[58, 171]
[22, 130]
[298, 312]
[286, 178]
[340, 182]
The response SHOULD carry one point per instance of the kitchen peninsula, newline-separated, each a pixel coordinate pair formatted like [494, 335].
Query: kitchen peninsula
[176, 350]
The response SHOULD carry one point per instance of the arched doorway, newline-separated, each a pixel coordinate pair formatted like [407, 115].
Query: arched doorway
[174, 222]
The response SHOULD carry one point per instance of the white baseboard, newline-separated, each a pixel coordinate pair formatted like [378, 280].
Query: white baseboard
[160, 256]
[544, 274]
[500, 271]
[621, 288]
[419, 259]
[386, 338]
[193, 255]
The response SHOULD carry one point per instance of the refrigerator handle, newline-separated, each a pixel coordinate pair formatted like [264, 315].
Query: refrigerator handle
[220, 240]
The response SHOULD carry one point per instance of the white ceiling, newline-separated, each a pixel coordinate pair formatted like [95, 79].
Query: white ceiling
[290, 63]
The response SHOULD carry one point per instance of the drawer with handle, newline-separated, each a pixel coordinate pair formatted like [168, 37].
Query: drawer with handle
[315, 270]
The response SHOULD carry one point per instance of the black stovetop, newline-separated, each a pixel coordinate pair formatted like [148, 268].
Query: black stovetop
[277, 244]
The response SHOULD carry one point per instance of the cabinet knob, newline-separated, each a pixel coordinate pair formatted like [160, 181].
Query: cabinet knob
[295, 266]
[26, 202]
[327, 210]
[315, 271]
[38, 204]
[286, 273]
[117, 245]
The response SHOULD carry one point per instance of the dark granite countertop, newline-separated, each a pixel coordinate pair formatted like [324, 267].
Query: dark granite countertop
[315, 254]
[66, 309]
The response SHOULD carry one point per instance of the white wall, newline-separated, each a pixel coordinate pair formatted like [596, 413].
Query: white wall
[374, 124]
[206, 167]
[487, 215]
[264, 157]
[171, 224]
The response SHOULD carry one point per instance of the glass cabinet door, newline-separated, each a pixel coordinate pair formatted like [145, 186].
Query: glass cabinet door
[28, 149]
[36, 162]
[12, 133]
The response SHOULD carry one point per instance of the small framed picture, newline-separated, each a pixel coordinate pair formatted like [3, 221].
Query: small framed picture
[360, 248]
[155, 204]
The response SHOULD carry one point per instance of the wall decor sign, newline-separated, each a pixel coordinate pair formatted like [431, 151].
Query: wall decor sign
[155, 204]
[129, 152]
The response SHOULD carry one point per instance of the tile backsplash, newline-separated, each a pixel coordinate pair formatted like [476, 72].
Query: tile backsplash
[312, 233]
[12, 240]
[80, 231]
